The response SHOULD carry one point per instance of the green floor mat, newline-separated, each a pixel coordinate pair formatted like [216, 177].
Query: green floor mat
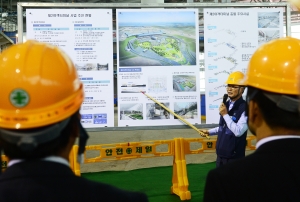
[155, 182]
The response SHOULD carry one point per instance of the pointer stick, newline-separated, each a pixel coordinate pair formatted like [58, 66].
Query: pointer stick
[179, 117]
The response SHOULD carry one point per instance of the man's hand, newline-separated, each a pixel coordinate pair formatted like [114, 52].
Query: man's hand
[223, 109]
[204, 133]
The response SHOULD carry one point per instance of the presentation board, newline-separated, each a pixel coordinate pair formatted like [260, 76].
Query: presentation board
[158, 56]
[231, 36]
[89, 43]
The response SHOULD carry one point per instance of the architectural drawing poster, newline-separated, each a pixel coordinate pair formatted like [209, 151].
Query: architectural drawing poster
[231, 36]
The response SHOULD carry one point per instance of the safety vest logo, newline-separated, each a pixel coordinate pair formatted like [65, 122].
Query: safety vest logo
[19, 98]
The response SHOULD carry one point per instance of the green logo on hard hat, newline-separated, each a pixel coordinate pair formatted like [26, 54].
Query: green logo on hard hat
[19, 98]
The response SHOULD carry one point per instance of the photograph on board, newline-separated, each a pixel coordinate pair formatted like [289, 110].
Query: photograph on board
[157, 38]
[156, 112]
[132, 111]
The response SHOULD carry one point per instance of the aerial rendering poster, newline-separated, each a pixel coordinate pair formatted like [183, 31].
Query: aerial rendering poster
[157, 38]
[157, 55]
[230, 38]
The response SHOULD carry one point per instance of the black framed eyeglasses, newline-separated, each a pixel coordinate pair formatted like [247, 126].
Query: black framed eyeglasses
[232, 86]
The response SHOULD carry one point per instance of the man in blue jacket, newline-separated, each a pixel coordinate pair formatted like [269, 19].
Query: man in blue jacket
[232, 130]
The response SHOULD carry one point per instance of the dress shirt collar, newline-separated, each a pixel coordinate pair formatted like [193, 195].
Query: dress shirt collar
[271, 138]
[231, 102]
[56, 159]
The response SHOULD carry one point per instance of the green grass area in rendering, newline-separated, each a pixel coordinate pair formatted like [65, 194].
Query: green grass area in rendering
[122, 49]
[146, 45]
[189, 42]
[188, 84]
[136, 116]
[170, 50]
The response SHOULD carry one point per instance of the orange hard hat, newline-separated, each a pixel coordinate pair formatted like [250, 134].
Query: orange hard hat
[39, 86]
[235, 78]
[274, 67]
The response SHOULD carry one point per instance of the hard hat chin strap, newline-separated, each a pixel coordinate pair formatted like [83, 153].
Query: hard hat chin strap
[28, 141]
[284, 102]
[83, 136]
[1, 160]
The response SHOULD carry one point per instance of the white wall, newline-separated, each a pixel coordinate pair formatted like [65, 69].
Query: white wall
[295, 29]
[24, 37]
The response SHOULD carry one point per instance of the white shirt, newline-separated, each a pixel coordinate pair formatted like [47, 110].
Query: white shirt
[238, 128]
[56, 159]
[271, 138]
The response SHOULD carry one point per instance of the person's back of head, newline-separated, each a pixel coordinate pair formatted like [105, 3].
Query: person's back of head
[39, 123]
[41, 97]
[272, 80]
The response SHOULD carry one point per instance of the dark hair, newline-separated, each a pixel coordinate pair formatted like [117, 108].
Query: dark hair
[274, 116]
[47, 149]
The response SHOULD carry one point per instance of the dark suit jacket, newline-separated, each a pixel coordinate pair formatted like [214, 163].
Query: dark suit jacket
[49, 181]
[271, 173]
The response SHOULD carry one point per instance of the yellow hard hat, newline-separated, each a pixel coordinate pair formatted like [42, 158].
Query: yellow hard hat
[39, 86]
[295, 3]
[235, 78]
[274, 67]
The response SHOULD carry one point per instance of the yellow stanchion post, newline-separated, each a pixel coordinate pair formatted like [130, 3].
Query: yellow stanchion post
[179, 179]
[4, 161]
[71, 159]
[249, 143]
[74, 165]
[185, 192]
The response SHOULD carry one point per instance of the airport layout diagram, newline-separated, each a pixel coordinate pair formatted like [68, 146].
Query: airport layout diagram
[231, 36]
[157, 56]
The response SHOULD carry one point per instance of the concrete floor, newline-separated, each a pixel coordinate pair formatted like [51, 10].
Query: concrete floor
[110, 136]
